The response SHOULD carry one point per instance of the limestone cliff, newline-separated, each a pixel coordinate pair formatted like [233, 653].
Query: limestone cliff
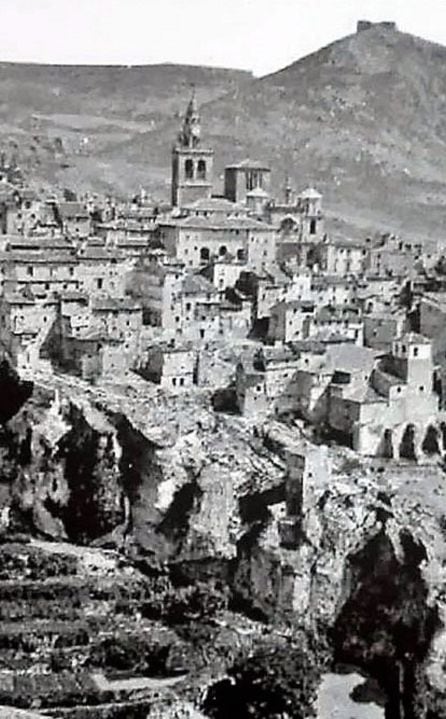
[166, 477]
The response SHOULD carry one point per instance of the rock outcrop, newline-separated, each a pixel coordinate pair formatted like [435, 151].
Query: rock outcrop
[205, 494]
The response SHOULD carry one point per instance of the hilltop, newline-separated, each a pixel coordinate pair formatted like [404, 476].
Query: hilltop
[362, 118]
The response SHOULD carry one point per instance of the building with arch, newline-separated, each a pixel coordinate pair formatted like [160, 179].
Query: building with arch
[192, 164]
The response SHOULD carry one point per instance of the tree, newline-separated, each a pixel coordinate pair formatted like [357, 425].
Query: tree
[274, 683]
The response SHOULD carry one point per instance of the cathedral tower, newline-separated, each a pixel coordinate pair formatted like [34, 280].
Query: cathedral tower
[192, 164]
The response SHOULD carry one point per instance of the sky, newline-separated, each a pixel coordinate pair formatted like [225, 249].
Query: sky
[257, 35]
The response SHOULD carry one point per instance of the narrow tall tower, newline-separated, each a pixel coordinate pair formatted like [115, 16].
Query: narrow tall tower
[192, 164]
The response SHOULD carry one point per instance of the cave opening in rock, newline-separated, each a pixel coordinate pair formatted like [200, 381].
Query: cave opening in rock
[407, 446]
[385, 627]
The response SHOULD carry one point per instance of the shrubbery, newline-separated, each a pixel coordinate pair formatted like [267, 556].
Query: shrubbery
[272, 683]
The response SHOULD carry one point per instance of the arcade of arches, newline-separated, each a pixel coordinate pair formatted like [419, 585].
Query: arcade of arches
[413, 442]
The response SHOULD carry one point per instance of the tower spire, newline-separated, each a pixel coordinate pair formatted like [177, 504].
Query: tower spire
[191, 128]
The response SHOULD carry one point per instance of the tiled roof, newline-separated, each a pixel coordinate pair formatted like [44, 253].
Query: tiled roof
[45, 257]
[218, 223]
[346, 357]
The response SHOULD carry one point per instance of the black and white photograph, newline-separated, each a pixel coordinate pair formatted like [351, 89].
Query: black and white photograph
[222, 359]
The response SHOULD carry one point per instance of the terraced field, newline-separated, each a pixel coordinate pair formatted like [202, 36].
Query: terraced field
[73, 638]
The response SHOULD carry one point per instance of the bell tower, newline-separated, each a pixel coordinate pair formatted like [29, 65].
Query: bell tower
[192, 164]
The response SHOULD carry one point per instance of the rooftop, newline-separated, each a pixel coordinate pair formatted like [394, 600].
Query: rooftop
[218, 223]
[67, 210]
[215, 204]
[413, 338]
[310, 194]
[350, 358]
[113, 304]
[197, 285]
[248, 164]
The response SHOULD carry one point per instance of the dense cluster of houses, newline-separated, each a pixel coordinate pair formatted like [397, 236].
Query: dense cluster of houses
[349, 336]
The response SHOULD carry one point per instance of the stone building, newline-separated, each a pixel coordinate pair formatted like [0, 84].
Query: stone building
[291, 321]
[244, 177]
[381, 329]
[171, 366]
[333, 290]
[155, 281]
[265, 382]
[192, 164]
[275, 285]
[74, 219]
[25, 324]
[198, 240]
[99, 338]
[341, 257]
[39, 272]
[390, 256]
[381, 405]
[100, 271]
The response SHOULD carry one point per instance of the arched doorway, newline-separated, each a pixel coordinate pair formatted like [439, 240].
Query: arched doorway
[430, 442]
[204, 254]
[407, 446]
[387, 445]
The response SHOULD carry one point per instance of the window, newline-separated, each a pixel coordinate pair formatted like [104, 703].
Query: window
[201, 170]
[100, 283]
[30, 271]
[181, 381]
[174, 381]
[71, 271]
[223, 251]
[188, 306]
[204, 254]
[189, 169]
[415, 351]
[312, 227]
[421, 389]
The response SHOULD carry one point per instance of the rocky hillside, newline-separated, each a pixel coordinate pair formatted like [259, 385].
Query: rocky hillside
[194, 499]
[363, 119]
[62, 123]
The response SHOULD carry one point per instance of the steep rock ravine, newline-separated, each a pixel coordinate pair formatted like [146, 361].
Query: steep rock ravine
[168, 478]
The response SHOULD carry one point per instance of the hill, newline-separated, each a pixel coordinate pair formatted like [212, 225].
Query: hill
[63, 122]
[363, 119]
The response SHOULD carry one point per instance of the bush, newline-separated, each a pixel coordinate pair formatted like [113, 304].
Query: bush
[274, 682]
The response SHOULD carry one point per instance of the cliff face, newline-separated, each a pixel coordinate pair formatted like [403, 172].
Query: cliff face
[172, 480]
